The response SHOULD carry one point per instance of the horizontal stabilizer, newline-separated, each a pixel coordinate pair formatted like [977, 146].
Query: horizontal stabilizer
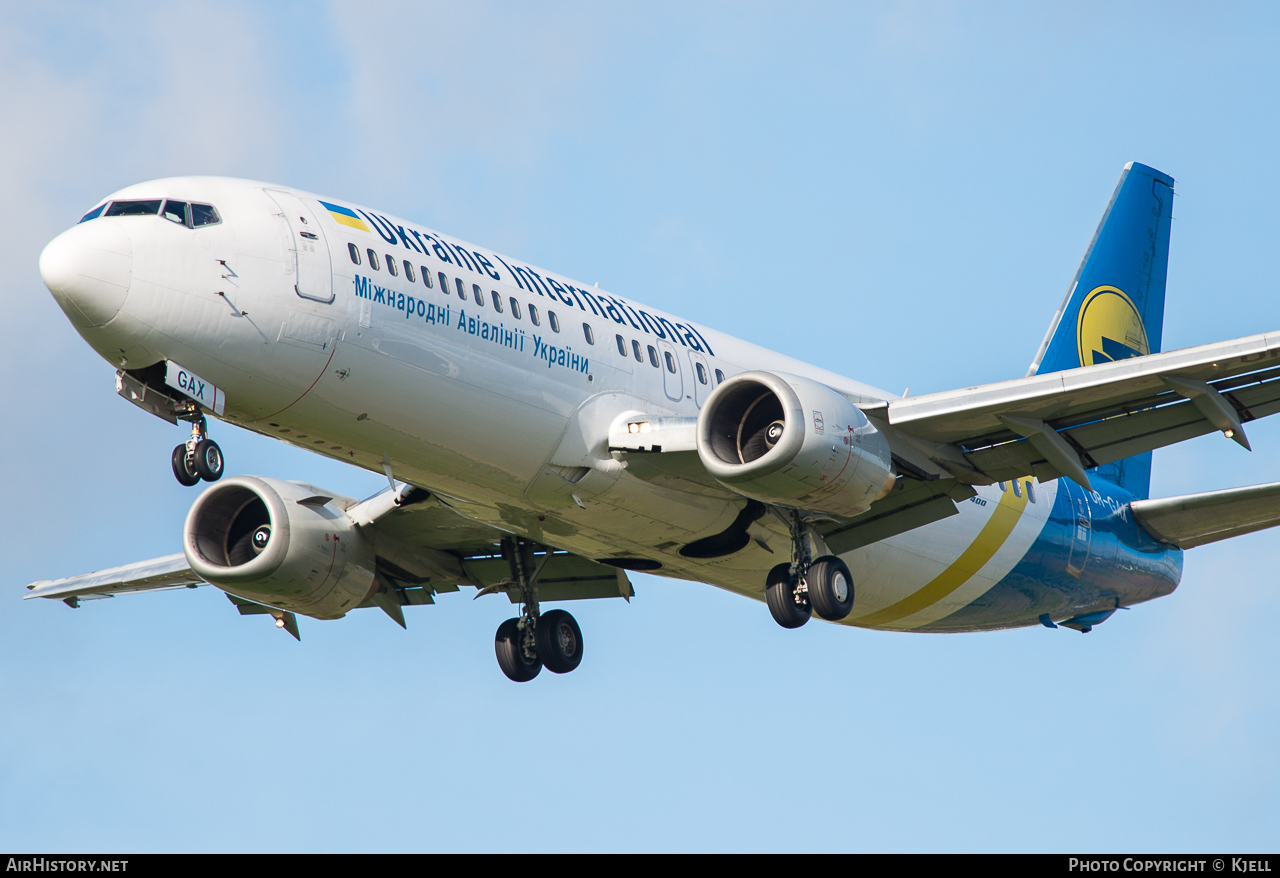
[1196, 519]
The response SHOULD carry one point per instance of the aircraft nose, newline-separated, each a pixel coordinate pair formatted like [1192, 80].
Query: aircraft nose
[88, 268]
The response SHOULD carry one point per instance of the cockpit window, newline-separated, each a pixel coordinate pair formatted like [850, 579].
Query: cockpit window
[204, 215]
[133, 208]
[94, 214]
[175, 211]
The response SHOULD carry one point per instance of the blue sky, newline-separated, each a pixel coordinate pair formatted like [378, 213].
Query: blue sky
[899, 192]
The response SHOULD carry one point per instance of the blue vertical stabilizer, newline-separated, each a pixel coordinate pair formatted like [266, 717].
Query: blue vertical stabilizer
[1114, 308]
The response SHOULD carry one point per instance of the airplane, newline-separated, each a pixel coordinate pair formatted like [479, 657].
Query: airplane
[541, 437]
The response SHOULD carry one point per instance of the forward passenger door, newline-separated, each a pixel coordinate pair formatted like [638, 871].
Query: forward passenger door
[313, 273]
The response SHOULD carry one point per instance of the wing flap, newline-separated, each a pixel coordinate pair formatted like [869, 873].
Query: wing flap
[1192, 520]
[910, 505]
[561, 577]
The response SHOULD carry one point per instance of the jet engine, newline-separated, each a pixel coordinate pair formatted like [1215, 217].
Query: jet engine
[281, 544]
[791, 441]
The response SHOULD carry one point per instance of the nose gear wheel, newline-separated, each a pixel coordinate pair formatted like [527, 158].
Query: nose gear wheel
[199, 457]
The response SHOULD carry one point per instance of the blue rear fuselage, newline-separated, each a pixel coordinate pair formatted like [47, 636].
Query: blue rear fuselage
[1090, 558]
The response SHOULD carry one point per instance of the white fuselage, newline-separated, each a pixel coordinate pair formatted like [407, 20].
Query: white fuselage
[506, 420]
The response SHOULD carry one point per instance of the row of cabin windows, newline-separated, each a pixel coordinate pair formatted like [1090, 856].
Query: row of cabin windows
[667, 356]
[477, 294]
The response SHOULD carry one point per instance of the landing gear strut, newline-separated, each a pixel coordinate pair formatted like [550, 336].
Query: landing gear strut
[534, 640]
[199, 457]
[805, 586]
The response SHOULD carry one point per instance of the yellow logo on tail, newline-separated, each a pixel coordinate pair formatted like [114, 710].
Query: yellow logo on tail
[1109, 328]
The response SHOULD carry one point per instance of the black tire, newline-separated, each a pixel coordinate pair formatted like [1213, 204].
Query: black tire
[780, 595]
[830, 588]
[185, 475]
[559, 642]
[506, 643]
[209, 462]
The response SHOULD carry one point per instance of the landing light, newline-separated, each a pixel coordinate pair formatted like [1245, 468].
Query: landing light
[279, 623]
[1228, 433]
[639, 427]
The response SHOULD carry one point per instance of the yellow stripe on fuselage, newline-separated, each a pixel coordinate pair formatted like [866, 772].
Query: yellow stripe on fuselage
[984, 547]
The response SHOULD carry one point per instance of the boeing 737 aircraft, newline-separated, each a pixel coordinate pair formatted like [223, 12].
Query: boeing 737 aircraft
[542, 437]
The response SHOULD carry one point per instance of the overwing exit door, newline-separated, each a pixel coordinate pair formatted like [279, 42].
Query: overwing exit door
[313, 274]
[672, 374]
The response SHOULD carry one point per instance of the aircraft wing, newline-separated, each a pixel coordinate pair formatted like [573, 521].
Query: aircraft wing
[1063, 423]
[171, 571]
[1196, 519]
[422, 546]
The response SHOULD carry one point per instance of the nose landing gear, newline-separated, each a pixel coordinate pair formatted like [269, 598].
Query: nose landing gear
[199, 457]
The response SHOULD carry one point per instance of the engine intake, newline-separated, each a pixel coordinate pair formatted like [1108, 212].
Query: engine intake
[275, 543]
[791, 441]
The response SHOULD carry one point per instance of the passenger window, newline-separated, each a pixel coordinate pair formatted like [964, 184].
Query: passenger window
[175, 211]
[462, 288]
[1031, 491]
[133, 208]
[554, 321]
[444, 283]
[515, 307]
[1017, 488]
[1003, 488]
[426, 276]
[497, 300]
[391, 265]
[94, 214]
[204, 215]
[477, 294]
[622, 345]
[719, 377]
[533, 315]
[702, 373]
[635, 349]
[671, 361]
[408, 271]
[373, 259]
[588, 334]
[355, 253]
[653, 357]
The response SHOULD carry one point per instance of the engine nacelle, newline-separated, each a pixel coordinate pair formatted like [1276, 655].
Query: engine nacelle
[792, 441]
[278, 543]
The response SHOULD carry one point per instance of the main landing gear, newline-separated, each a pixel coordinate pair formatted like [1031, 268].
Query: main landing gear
[199, 457]
[527, 644]
[794, 591]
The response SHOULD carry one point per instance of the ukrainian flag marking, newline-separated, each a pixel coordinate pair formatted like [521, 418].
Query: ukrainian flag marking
[345, 216]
